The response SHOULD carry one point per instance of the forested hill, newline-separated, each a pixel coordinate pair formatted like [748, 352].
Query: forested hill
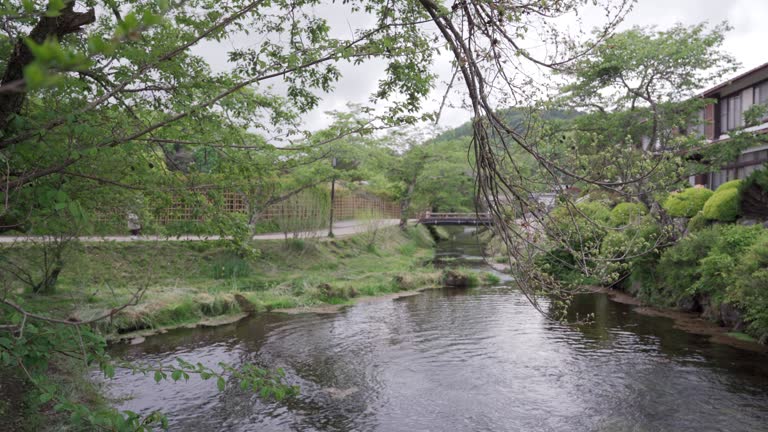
[513, 116]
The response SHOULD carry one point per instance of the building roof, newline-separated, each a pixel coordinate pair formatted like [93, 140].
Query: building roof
[716, 89]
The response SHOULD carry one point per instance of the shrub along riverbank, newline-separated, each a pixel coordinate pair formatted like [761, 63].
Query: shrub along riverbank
[192, 282]
[713, 260]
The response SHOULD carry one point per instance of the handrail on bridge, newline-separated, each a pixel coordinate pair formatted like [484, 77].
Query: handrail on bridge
[434, 215]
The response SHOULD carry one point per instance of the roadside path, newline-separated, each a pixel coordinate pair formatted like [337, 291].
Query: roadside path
[340, 229]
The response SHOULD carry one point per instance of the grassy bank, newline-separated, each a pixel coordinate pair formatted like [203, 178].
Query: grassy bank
[192, 282]
[206, 283]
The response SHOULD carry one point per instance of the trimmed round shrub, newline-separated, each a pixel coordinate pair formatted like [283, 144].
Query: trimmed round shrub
[733, 184]
[626, 212]
[594, 210]
[687, 202]
[723, 206]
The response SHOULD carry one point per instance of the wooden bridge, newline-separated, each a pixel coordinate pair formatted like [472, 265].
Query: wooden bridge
[430, 218]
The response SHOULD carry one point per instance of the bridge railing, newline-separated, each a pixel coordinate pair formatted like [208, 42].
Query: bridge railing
[433, 215]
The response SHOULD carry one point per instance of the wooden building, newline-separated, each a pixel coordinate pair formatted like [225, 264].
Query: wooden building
[732, 99]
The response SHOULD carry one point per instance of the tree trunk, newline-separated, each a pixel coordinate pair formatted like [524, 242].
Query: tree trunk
[67, 22]
[48, 285]
[405, 203]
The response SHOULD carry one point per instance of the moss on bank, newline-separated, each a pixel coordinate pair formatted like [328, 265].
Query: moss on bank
[190, 282]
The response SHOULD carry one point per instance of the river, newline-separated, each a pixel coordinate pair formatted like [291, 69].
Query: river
[460, 360]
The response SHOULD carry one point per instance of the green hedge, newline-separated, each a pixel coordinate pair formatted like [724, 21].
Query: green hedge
[724, 204]
[687, 202]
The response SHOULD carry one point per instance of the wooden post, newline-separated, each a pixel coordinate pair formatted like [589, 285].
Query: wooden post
[333, 193]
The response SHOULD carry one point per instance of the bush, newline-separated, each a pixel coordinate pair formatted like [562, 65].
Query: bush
[687, 202]
[714, 276]
[581, 228]
[712, 266]
[622, 250]
[754, 195]
[678, 267]
[626, 212]
[704, 262]
[759, 178]
[697, 223]
[733, 184]
[749, 289]
[577, 230]
[723, 205]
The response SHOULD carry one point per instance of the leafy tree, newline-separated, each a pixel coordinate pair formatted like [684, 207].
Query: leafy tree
[108, 96]
[638, 90]
[637, 95]
[103, 104]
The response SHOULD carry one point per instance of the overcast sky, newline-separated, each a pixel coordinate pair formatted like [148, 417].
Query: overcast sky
[746, 42]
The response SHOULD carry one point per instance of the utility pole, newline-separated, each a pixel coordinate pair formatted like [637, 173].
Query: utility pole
[333, 194]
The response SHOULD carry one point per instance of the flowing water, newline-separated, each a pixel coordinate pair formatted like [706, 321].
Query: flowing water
[460, 360]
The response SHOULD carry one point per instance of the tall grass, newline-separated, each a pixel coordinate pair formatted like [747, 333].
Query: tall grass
[230, 266]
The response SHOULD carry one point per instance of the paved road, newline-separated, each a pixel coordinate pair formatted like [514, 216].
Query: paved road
[340, 229]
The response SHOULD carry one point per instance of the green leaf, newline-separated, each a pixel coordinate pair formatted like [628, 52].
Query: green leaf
[74, 209]
[221, 383]
[35, 75]
[158, 376]
[54, 8]
[109, 370]
[29, 6]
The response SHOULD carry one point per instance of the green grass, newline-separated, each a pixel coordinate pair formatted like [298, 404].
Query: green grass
[490, 279]
[742, 337]
[190, 281]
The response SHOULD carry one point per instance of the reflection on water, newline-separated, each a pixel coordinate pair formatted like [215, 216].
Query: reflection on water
[453, 360]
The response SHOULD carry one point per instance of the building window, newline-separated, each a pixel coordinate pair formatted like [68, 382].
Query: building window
[734, 112]
[761, 93]
[698, 126]
[731, 113]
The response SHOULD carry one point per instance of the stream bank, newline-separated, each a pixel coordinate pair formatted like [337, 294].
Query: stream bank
[422, 362]
[196, 286]
[206, 284]
[687, 321]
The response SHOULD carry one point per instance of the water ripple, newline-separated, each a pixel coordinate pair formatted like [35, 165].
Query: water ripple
[479, 360]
